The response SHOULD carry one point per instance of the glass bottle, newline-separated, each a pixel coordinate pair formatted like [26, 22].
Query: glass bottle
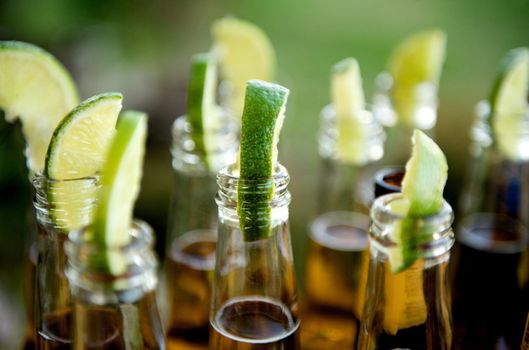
[421, 115]
[192, 236]
[114, 310]
[490, 258]
[334, 281]
[254, 304]
[409, 309]
[525, 337]
[52, 296]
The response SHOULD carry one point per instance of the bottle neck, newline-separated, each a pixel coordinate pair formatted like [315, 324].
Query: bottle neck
[62, 205]
[220, 146]
[267, 198]
[370, 143]
[435, 232]
[133, 267]
[409, 309]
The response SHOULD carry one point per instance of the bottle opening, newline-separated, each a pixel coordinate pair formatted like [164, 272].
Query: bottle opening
[195, 249]
[345, 231]
[494, 233]
[389, 180]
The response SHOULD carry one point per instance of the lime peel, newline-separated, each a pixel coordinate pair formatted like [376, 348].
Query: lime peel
[417, 61]
[120, 185]
[509, 104]
[422, 189]
[352, 119]
[37, 89]
[203, 114]
[245, 52]
[264, 111]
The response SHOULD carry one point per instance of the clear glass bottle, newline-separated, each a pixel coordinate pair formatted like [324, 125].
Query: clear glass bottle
[334, 282]
[399, 128]
[254, 304]
[114, 310]
[490, 259]
[52, 296]
[192, 236]
[410, 309]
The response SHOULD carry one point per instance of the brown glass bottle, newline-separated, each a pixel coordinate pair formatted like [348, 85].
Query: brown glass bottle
[336, 259]
[408, 309]
[254, 304]
[192, 232]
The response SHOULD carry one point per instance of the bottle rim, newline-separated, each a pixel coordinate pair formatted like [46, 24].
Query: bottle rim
[438, 236]
[474, 231]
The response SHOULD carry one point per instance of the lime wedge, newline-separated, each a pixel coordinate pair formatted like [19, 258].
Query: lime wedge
[349, 103]
[509, 103]
[201, 108]
[38, 90]
[419, 59]
[262, 119]
[120, 182]
[77, 150]
[79, 143]
[245, 52]
[422, 189]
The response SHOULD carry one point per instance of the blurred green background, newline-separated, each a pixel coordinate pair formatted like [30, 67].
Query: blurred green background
[142, 49]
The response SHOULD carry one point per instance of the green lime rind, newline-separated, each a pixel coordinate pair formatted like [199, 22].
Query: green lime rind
[418, 59]
[201, 107]
[509, 104]
[120, 186]
[264, 111]
[422, 189]
[348, 100]
[75, 155]
[37, 89]
[514, 69]
[79, 143]
[244, 52]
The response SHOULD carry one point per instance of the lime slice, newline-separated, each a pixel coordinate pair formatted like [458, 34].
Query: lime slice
[509, 103]
[38, 90]
[245, 52]
[262, 119]
[76, 152]
[201, 108]
[120, 182]
[422, 189]
[418, 60]
[349, 103]
[79, 143]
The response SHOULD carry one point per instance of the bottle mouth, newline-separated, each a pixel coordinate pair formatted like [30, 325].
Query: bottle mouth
[372, 142]
[341, 230]
[230, 184]
[495, 233]
[435, 230]
[389, 180]
[220, 151]
[88, 262]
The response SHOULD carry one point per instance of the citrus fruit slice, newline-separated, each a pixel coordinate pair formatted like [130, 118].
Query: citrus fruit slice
[76, 152]
[419, 59]
[509, 103]
[422, 189]
[245, 52]
[201, 108]
[79, 143]
[264, 112]
[120, 181]
[349, 103]
[37, 89]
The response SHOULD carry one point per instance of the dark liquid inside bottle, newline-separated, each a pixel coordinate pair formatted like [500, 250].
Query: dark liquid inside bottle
[190, 264]
[487, 297]
[254, 323]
